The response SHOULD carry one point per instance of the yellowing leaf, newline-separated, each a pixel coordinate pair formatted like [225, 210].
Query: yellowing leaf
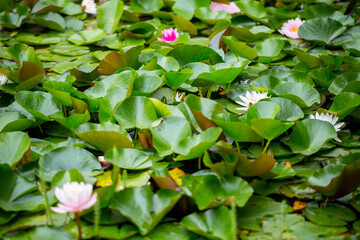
[176, 174]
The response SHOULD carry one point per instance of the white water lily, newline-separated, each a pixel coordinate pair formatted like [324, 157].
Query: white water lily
[328, 118]
[180, 97]
[3, 79]
[89, 6]
[250, 99]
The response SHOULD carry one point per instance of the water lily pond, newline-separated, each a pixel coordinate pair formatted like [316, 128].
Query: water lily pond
[179, 119]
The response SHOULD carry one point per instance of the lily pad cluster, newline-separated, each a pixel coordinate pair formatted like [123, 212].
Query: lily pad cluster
[229, 130]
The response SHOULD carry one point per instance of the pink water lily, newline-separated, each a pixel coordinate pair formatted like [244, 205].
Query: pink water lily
[230, 8]
[74, 197]
[291, 27]
[169, 35]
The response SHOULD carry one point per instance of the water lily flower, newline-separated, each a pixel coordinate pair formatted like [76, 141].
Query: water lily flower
[230, 8]
[169, 35]
[103, 161]
[74, 197]
[328, 118]
[180, 97]
[290, 28]
[89, 6]
[250, 99]
[3, 79]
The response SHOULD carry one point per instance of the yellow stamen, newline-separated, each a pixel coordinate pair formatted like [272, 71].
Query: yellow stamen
[294, 29]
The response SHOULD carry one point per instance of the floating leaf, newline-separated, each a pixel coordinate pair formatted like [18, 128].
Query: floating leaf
[167, 132]
[67, 158]
[339, 179]
[321, 29]
[143, 6]
[212, 224]
[235, 128]
[114, 61]
[309, 135]
[194, 146]
[269, 50]
[344, 103]
[135, 112]
[14, 121]
[193, 53]
[209, 191]
[347, 82]
[38, 104]
[300, 93]
[13, 146]
[109, 15]
[104, 136]
[128, 158]
[332, 215]
[257, 167]
[85, 37]
[240, 49]
[142, 207]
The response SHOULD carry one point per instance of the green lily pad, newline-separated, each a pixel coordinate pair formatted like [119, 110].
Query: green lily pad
[254, 10]
[194, 146]
[321, 29]
[109, 15]
[14, 121]
[17, 192]
[50, 20]
[142, 207]
[210, 17]
[300, 93]
[353, 47]
[333, 215]
[309, 135]
[269, 50]
[209, 191]
[116, 82]
[212, 224]
[347, 82]
[289, 111]
[337, 180]
[193, 53]
[67, 158]
[143, 6]
[235, 128]
[44, 6]
[135, 112]
[13, 146]
[167, 132]
[270, 128]
[344, 103]
[42, 232]
[128, 158]
[38, 104]
[104, 136]
[85, 37]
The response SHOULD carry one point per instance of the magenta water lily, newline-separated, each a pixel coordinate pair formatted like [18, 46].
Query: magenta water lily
[169, 35]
